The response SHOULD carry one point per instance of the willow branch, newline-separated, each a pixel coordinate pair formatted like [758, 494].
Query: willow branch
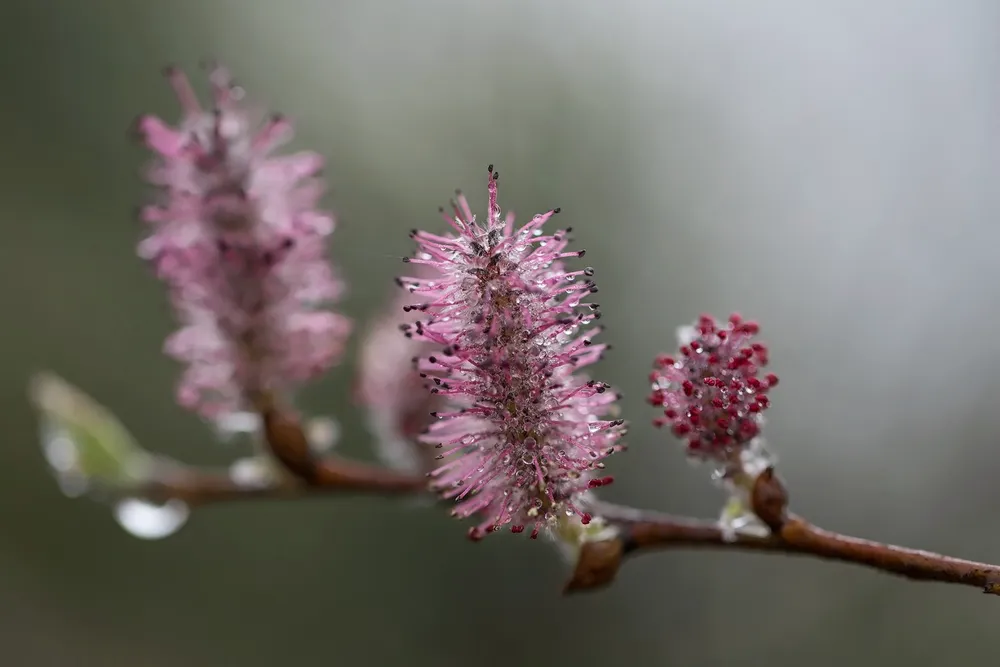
[599, 561]
[198, 487]
[641, 532]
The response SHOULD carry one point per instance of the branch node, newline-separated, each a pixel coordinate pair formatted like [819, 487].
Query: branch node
[769, 500]
[289, 444]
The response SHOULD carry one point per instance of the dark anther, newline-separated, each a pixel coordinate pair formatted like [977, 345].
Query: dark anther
[589, 271]
[581, 253]
[558, 209]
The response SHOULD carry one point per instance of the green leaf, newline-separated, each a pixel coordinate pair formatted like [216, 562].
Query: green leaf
[82, 440]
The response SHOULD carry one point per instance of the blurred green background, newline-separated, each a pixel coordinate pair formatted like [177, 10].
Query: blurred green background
[829, 168]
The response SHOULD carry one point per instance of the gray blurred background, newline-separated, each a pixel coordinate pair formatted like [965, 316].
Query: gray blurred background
[829, 168]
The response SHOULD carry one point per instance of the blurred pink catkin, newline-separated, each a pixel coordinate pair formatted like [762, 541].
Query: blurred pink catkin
[238, 240]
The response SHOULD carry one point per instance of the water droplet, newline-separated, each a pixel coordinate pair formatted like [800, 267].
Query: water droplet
[233, 424]
[59, 450]
[253, 472]
[323, 434]
[149, 521]
[63, 457]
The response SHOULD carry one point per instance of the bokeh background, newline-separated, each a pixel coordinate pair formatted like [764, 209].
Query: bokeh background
[829, 168]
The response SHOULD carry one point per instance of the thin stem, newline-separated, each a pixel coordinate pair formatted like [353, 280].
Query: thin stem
[289, 445]
[198, 487]
[642, 533]
[598, 562]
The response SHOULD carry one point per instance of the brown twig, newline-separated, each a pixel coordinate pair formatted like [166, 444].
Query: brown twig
[642, 532]
[598, 562]
[309, 474]
[198, 487]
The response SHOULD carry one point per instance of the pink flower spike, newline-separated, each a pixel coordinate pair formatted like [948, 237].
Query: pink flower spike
[390, 389]
[525, 432]
[237, 239]
[711, 392]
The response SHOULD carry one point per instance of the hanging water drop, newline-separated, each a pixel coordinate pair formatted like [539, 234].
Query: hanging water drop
[149, 521]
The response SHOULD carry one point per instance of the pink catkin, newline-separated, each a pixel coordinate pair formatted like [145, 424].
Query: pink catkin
[711, 393]
[525, 433]
[238, 241]
[391, 390]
